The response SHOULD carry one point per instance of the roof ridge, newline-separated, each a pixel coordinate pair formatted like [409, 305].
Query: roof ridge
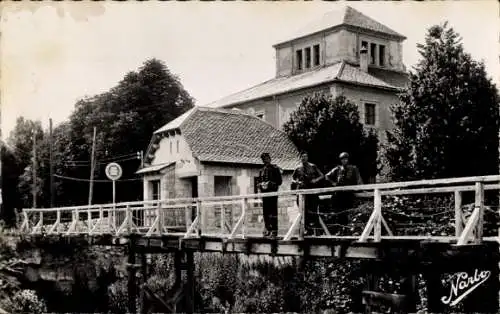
[299, 76]
[378, 81]
[193, 110]
[375, 21]
[224, 110]
[244, 90]
[341, 69]
[345, 16]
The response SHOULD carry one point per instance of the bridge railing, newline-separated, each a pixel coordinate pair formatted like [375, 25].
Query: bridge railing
[241, 216]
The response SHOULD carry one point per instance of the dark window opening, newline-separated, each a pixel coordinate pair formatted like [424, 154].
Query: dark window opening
[381, 55]
[155, 190]
[308, 57]
[364, 44]
[299, 59]
[316, 55]
[370, 114]
[373, 51]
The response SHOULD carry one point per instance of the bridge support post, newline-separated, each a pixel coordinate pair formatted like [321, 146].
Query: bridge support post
[144, 279]
[184, 262]
[132, 280]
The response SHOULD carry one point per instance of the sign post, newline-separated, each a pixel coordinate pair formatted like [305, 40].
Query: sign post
[114, 172]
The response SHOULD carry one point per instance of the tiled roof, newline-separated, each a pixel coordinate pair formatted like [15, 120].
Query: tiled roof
[338, 72]
[231, 136]
[352, 74]
[345, 16]
[176, 123]
[398, 79]
[281, 85]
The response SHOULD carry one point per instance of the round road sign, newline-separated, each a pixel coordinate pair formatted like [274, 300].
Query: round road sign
[114, 171]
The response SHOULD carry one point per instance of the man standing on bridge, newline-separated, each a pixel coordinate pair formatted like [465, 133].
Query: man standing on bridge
[308, 176]
[343, 175]
[269, 180]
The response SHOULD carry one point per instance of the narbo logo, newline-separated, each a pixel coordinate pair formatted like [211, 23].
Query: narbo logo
[462, 285]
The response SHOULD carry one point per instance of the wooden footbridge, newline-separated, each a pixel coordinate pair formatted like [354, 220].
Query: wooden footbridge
[232, 225]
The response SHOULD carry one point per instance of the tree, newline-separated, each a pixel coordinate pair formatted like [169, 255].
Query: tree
[125, 117]
[10, 195]
[324, 127]
[20, 143]
[447, 121]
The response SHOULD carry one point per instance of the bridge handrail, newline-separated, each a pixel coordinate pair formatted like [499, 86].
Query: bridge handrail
[355, 188]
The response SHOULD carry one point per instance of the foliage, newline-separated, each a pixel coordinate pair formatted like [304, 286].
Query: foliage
[321, 121]
[27, 301]
[118, 297]
[446, 124]
[125, 118]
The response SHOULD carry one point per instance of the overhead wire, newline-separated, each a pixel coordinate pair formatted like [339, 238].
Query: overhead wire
[95, 180]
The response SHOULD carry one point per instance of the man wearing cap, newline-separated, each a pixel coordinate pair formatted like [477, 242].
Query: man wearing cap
[269, 180]
[308, 176]
[342, 175]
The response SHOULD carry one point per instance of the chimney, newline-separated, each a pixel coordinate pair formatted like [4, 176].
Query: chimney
[363, 59]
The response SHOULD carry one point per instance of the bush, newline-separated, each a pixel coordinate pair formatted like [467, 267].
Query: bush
[27, 301]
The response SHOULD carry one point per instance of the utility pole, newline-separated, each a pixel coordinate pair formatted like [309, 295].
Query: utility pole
[51, 157]
[91, 186]
[34, 168]
[140, 156]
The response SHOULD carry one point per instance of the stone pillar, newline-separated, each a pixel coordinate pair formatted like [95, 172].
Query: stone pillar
[145, 189]
[206, 188]
[206, 185]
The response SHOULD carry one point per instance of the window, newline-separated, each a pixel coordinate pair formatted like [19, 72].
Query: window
[316, 55]
[364, 44]
[177, 146]
[381, 55]
[308, 57]
[373, 51]
[260, 115]
[299, 59]
[155, 190]
[370, 114]
[171, 147]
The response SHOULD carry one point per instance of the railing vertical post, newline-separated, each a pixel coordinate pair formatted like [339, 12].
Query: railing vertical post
[77, 217]
[58, 218]
[41, 221]
[378, 215]
[479, 203]
[188, 210]
[222, 218]
[160, 218]
[244, 207]
[113, 216]
[89, 219]
[128, 217]
[26, 222]
[199, 215]
[302, 211]
[459, 224]
[101, 214]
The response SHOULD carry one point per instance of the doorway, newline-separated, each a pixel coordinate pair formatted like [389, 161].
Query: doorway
[222, 187]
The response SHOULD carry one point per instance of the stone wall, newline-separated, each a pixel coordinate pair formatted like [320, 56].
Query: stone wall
[242, 182]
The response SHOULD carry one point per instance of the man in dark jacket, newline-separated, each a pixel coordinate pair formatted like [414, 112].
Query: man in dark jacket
[308, 176]
[269, 180]
[342, 175]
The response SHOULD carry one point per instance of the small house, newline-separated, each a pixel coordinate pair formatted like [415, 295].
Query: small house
[213, 152]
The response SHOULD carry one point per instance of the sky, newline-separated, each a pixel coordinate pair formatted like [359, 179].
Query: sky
[55, 53]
